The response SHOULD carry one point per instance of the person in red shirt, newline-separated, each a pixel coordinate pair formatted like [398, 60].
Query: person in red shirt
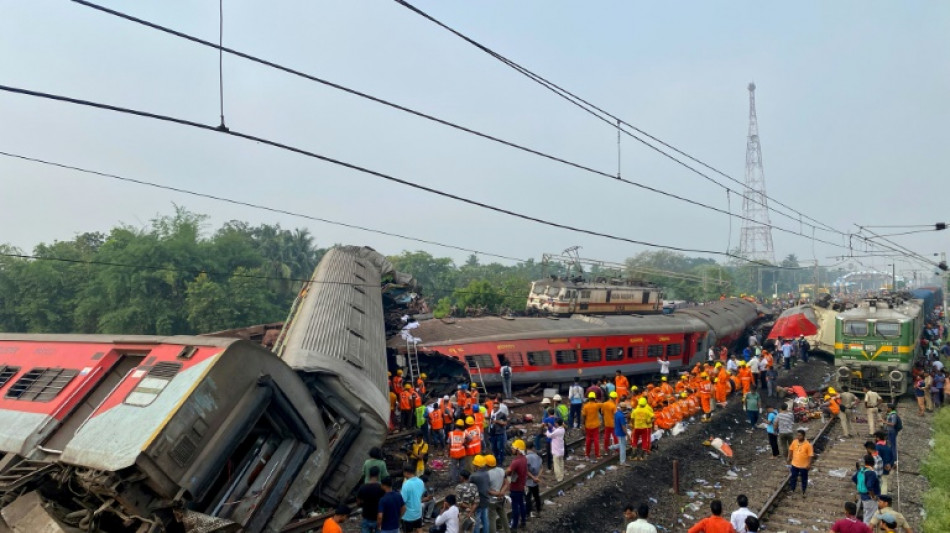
[518, 472]
[850, 523]
[713, 523]
[332, 524]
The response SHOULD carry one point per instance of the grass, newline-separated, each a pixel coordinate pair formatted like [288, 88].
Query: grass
[937, 470]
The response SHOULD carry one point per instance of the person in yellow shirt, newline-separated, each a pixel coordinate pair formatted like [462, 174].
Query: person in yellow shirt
[607, 410]
[800, 454]
[590, 415]
[642, 421]
[419, 453]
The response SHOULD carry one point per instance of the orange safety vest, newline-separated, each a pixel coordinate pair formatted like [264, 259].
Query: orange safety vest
[833, 405]
[421, 385]
[666, 389]
[705, 389]
[456, 444]
[405, 400]
[479, 418]
[474, 396]
[623, 386]
[474, 446]
[448, 416]
[416, 399]
[397, 383]
[489, 405]
[435, 419]
[461, 398]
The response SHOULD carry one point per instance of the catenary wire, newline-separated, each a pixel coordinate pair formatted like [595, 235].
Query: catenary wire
[378, 174]
[255, 206]
[447, 123]
[608, 117]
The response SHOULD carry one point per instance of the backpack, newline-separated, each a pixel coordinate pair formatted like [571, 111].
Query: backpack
[506, 372]
[862, 485]
[898, 423]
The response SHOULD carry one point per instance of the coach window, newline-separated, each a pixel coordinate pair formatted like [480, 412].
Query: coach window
[479, 361]
[614, 354]
[887, 329]
[514, 358]
[540, 358]
[7, 372]
[855, 328]
[590, 355]
[654, 350]
[637, 351]
[41, 384]
[565, 357]
[154, 382]
[674, 349]
[585, 295]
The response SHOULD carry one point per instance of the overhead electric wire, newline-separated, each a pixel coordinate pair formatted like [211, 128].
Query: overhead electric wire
[364, 170]
[610, 118]
[257, 206]
[441, 121]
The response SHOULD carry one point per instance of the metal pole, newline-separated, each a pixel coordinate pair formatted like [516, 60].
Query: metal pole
[676, 476]
[894, 276]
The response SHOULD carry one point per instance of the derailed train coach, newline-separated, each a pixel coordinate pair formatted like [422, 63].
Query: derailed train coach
[151, 434]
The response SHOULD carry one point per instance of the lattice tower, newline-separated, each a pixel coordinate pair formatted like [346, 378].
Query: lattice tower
[756, 236]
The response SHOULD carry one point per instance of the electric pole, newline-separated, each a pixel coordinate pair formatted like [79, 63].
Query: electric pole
[756, 236]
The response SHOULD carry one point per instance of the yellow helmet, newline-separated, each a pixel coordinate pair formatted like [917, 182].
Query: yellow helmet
[423, 376]
[474, 385]
[478, 461]
[459, 423]
[613, 394]
[591, 395]
[704, 375]
[683, 395]
[407, 386]
[469, 420]
[827, 396]
[718, 365]
[518, 444]
[831, 390]
[641, 402]
[663, 378]
[684, 377]
[634, 388]
[491, 461]
[399, 372]
[716, 380]
[741, 363]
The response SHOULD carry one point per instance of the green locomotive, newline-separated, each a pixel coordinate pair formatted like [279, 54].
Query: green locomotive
[877, 343]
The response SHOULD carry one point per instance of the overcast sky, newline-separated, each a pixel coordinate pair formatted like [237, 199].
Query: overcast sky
[853, 105]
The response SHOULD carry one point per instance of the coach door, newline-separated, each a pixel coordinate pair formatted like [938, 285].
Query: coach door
[689, 348]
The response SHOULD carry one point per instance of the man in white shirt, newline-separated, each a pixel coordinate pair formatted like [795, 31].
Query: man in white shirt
[450, 515]
[640, 525]
[732, 365]
[739, 515]
[872, 401]
[711, 355]
[664, 366]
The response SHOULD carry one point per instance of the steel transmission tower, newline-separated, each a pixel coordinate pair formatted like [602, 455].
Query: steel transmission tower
[756, 236]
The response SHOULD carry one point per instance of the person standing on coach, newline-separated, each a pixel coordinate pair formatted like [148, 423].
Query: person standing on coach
[506, 378]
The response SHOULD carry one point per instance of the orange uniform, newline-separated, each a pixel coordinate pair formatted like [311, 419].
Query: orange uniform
[421, 386]
[623, 386]
[705, 396]
[405, 400]
[722, 390]
[397, 383]
[436, 420]
[457, 444]
[745, 379]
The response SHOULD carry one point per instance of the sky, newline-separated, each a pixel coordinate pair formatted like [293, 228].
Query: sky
[852, 102]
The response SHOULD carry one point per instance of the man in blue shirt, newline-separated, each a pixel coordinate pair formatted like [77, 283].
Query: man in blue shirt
[412, 490]
[770, 416]
[391, 507]
[620, 431]
[868, 486]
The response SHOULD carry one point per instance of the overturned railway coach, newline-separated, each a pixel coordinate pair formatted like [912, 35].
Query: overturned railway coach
[549, 350]
[135, 433]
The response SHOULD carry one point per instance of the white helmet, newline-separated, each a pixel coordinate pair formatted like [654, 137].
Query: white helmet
[556, 398]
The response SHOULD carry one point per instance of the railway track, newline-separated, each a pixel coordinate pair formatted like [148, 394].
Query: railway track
[829, 485]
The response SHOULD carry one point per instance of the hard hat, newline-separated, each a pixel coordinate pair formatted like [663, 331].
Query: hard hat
[557, 398]
[827, 396]
[718, 365]
[399, 372]
[469, 420]
[663, 378]
[478, 461]
[684, 377]
[518, 444]
[423, 376]
[716, 380]
[683, 395]
[741, 363]
[407, 386]
[613, 394]
[491, 461]
[591, 395]
[641, 402]
[546, 401]
[459, 423]
[474, 385]
[634, 388]
[704, 375]
[831, 390]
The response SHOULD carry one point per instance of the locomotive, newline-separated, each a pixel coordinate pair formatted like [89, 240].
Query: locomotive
[566, 296]
[151, 434]
[555, 350]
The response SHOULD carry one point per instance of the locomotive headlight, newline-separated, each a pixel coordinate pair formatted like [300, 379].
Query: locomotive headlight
[844, 372]
[896, 375]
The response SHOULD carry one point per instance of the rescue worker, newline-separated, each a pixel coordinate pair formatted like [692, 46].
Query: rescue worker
[590, 417]
[419, 452]
[623, 386]
[642, 422]
[666, 391]
[405, 407]
[721, 387]
[705, 396]
[474, 393]
[473, 442]
[457, 450]
[421, 385]
[437, 427]
[745, 377]
[607, 411]
[393, 411]
[682, 384]
[397, 381]
[560, 410]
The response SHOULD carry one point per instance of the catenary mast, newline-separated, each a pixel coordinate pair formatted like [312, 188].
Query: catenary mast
[756, 236]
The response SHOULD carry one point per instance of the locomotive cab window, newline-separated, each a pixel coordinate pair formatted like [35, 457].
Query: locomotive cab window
[590, 355]
[887, 329]
[856, 328]
[614, 354]
[540, 358]
[654, 350]
[565, 357]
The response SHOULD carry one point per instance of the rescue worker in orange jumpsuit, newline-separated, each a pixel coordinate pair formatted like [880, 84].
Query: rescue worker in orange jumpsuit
[421, 385]
[457, 450]
[473, 442]
[745, 377]
[705, 396]
[473, 395]
[666, 391]
[590, 415]
[607, 410]
[623, 386]
[397, 382]
[722, 390]
[436, 425]
[682, 384]
[405, 407]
